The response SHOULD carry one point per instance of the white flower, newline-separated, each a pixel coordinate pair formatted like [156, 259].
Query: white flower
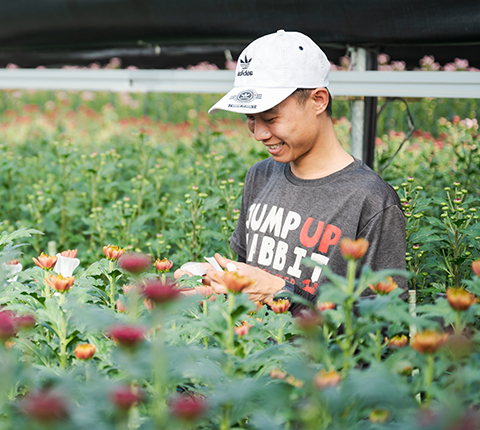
[11, 269]
[65, 265]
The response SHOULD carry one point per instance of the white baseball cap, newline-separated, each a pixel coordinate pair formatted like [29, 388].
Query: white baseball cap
[271, 68]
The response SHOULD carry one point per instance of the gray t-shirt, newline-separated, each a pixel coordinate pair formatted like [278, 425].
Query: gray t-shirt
[284, 219]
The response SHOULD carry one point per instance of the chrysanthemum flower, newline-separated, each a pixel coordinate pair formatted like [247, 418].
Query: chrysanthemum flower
[384, 287]
[113, 252]
[280, 306]
[59, 283]
[84, 351]
[325, 379]
[234, 282]
[429, 341]
[127, 335]
[135, 263]
[460, 299]
[188, 408]
[164, 265]
[160, 292]
[353, 249]
[45, 261]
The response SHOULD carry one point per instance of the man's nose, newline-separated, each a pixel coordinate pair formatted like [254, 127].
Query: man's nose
[261, 131]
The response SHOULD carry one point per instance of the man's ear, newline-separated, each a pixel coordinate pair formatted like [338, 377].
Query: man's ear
[320, 98]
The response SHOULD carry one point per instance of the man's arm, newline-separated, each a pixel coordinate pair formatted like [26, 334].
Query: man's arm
[288, 289]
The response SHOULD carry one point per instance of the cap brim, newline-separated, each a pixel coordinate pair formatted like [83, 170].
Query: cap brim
[251, 100]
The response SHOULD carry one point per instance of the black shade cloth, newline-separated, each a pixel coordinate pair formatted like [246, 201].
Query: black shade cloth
[55, 31]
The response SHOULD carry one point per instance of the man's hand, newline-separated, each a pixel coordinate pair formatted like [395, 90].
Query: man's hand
[191, 291]
[179, 272]
[263, 289]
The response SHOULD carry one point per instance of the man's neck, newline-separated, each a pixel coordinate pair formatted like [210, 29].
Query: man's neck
[325, 158]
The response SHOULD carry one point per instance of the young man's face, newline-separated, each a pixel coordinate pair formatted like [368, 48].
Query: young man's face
[289, 130]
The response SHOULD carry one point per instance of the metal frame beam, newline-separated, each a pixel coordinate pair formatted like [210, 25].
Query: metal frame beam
[362, 84]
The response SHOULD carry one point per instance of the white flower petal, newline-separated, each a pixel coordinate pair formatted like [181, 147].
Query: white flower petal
[65, 266]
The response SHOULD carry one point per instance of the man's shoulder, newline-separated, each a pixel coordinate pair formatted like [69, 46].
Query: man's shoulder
[371, 185]
[264, 169]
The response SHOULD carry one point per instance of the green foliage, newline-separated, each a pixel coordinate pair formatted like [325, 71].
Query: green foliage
[251, 367]
[93, 172]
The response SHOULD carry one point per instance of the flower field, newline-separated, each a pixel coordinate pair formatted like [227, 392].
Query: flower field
[103, 195]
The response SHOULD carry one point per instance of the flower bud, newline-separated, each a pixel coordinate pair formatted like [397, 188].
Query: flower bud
[12, 262]
[204, 290]
[69, 253]
[280, 306]
[128, 288]
[384, 287]
[113, 252]
[476, 267]
[295, 382]
[308, 320]
[159, 292]
[278, 374]
[460, 299]
[127, 335]
[84, 351]
[45, 261]
[24, 321]
[7, 325]
[135, 263]
[325, 306]
[121, 306]
[59, 283]
[164, 265]
[188, 408]
[398, 341]
[234, 282]
[125, 397]
[353, 249]
[242, 330]
[44, 406]
[429, 341]
[325, 379]
[149, 304]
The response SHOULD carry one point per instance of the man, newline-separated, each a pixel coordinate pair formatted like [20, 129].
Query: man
[310, 193]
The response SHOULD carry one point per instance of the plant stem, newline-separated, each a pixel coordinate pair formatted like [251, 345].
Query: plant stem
[280, 337]
[112, 286]
[205, 310]
[348, 307]
[62, 333]
[230, 324]
[226, 419]
[429, 378]
[47, 287]
[458, 324]
[378, 342]
[159, 369]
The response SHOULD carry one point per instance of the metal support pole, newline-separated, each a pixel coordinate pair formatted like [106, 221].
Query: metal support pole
[370, 119]
[359, 61]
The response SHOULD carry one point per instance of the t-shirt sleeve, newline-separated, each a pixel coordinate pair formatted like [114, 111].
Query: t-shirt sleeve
[385, 233]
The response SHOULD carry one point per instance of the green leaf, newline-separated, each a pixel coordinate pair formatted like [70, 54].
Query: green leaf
[9, 238]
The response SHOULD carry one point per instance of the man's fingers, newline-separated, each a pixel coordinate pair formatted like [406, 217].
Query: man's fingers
[214, 275]
[179, 273]
[188, 292]
[222, 260]
[218, 288]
